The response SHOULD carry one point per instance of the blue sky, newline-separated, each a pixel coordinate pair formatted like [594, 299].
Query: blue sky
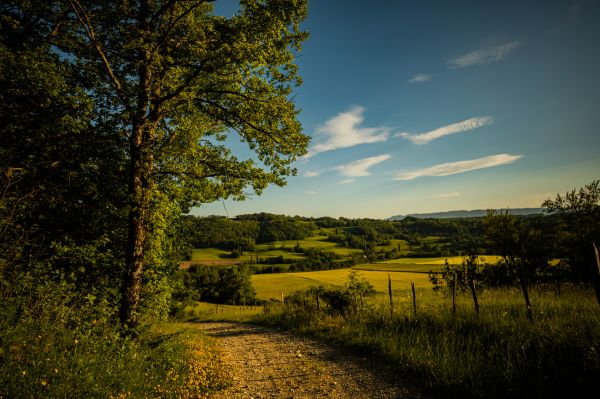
[435, 105]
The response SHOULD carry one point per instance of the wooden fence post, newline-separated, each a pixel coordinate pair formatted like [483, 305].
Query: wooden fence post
[391, 298]
[525, 291]
[474, 293]
[414, 298]
[454, 293]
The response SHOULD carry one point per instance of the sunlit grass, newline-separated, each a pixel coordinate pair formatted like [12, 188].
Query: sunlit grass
[497, 354]
[272, 285]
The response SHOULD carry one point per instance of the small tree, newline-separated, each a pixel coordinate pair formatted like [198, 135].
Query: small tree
[579, 213]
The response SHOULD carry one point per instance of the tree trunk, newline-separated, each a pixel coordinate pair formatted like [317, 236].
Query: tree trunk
[140, 185]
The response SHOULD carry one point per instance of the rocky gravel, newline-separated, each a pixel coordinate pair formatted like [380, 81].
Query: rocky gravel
[269, 363]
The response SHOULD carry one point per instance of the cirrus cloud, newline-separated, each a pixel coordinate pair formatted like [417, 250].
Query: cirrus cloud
[420, 78]
[483, 55]
[344, 130]
[361, 166]
[469, 124]
[310, 173]
[452, 168]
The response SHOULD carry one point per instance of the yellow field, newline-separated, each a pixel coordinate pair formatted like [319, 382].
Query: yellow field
[272, 285]
[452, 260]
[421, 265]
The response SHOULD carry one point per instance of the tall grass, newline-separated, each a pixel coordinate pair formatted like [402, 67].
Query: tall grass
[500, 354]
[56, 343]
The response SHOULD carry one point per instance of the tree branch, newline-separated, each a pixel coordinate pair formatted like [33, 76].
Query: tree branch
[240, 118]
[85, 22]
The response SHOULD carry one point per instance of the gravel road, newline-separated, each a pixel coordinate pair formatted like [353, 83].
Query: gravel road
[274, 364]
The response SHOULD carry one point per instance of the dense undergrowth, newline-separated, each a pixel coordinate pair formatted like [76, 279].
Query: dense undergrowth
[55, 343]
[496, 355]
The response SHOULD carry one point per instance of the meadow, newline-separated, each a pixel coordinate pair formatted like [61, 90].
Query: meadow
[271, 286]
[498, 353]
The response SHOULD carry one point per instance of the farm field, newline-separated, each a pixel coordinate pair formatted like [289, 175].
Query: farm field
[420, 265]
[269, 250]
[272, 285]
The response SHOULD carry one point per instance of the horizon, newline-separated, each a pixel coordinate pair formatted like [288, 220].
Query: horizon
[439, 107]
[385, 218]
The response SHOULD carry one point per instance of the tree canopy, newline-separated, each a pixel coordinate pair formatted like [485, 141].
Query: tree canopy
[155, 88]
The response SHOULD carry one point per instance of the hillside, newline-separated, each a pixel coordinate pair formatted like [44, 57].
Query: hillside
[465, 214]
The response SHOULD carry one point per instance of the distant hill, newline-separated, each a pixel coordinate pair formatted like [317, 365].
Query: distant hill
[466, 214]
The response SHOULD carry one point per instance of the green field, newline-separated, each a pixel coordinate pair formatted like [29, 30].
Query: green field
[274, 249]
[272, 285]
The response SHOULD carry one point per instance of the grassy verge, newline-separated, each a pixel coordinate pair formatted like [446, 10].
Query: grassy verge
[65, 346]
[500, 354]
[193, 311]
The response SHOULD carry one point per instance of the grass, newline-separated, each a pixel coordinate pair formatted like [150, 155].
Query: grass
[201, 254]
[270, 286]
[420, 265]
[500, 354]
[61, 345]
[192, 311]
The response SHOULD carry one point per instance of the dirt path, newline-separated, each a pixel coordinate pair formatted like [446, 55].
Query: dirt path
[273, 364]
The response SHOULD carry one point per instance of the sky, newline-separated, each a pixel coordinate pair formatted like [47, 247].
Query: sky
[433, 106]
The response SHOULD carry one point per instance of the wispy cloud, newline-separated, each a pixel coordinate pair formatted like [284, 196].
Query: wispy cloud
[463, 126]
[447, 195]
[311, 174]
[420, 78]
[310, 192]
[346, 181]
[483, 56]
[344, 130]
[361, 166]
[452, 168]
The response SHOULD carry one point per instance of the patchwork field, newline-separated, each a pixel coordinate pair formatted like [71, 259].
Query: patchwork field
[214, 256]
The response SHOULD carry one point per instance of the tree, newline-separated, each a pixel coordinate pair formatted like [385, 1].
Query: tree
[579, 211]
[175, 82]
[61, 167]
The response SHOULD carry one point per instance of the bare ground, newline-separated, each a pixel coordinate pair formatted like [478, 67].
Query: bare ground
[274, 364]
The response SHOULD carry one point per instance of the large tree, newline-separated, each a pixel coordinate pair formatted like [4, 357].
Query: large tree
[177, 82]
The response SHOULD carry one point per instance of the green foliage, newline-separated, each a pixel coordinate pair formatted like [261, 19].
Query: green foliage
[61, 169]
[523, 244]
[579, 215]
[231, 285]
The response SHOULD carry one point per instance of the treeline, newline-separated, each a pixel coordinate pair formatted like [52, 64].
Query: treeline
[227, 285]
[452, 236]
[244, 231]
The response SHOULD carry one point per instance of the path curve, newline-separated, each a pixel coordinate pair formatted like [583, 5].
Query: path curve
[268, 363]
